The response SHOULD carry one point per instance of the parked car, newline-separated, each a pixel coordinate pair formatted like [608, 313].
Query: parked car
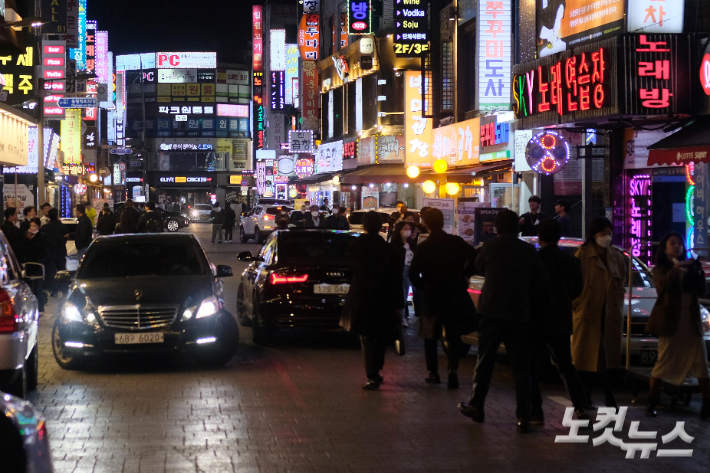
[24, 443]
[118, 303]
[267, 201]
[355, 219]
[201, 213]
[72, 259]
[300, 278]
[259, 222]
[643, 346]
[172, 221]
[19, 320]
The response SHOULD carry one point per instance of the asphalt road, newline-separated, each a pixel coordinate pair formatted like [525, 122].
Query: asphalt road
[298, 406]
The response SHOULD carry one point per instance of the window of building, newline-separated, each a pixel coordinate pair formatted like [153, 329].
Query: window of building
[447, 74]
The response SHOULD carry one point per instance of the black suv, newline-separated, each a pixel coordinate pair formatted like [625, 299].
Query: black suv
[172, 221]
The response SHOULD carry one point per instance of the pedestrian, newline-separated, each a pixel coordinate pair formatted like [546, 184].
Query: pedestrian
[91, 213]
[230, 219]
[239, 208]
[677, 323]
[56, 249]
[530, 220]
[133, 216]
[35, 246]
[317, 219]
[299, 217]
[45, 213]
[325, 208]
[561, 209]
[150, 221]
[217, 218]
[84, 231]
[29, 213]
[552, 324]
[401, 242]
[440, 269]
[374, 301]
[596, 332]
[106, 223]
[338, 221]
[510, 266]
[395, 217]
[282, 220]
[12, 233]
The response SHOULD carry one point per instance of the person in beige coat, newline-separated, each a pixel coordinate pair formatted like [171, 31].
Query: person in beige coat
[598, 318]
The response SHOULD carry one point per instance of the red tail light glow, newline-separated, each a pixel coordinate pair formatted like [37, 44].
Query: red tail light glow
[8, 322]
[268, 217]
[277, 279]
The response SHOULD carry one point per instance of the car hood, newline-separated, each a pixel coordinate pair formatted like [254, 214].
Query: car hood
[642, 301]
[182, 291]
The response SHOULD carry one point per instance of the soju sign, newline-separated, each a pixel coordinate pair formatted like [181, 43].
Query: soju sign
[411, 27]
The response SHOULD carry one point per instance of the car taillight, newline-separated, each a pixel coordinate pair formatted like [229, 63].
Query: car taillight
[268, 217]
[42, 431]
[8, 320]
[278, 279]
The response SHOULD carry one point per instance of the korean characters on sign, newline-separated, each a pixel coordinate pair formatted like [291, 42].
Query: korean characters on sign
[458, 144]
[310, 91]
[257, 38]
[495, 54]
[655, 16]
[359, 17]
[309, 36]
[301, 141]
[417, 128]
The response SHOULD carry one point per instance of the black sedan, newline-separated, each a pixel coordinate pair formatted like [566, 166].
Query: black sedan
[300, 278]
[172, 221]
[146, 293]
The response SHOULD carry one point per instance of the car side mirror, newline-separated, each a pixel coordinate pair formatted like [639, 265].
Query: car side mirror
[224, 271]
[245, 256]
[33, 271]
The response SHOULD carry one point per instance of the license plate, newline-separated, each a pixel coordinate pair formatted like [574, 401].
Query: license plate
[331, 288]
[135, 338]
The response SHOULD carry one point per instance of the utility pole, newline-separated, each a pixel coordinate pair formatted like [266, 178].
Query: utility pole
[40, 122]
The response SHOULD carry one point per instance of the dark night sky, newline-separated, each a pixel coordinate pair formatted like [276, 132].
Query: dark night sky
[137, 26]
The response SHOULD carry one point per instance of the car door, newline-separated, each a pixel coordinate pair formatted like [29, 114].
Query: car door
[24, 300]
[248, 222]
[252, 275]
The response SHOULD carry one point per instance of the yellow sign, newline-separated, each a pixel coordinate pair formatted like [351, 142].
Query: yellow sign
[179, 90]
[71, 136]
[235, 179]
[180, 179]
[193, 90]
[224, 145]
[164, 89]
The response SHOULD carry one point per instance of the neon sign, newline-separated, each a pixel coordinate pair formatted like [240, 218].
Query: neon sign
[640, 216]
[547, 152]
[359, 17]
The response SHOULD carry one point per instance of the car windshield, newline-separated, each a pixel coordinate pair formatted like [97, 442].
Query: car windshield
[356, 217]
[277, 210]
[314, 247]
[121, 258]
[203, 207]
[640, 277]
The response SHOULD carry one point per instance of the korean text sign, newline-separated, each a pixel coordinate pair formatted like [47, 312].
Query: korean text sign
[418, 130]
[494, 54]
[257, 38]
[457, 144]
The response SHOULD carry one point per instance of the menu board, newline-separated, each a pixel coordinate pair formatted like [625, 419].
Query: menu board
[466, 219]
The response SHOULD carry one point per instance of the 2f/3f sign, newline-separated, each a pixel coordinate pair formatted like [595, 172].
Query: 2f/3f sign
[359, 16]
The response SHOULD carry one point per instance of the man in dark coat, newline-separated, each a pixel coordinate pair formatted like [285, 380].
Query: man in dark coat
[514, 275]
[84, 231]
[150, 222]
[552, 323]
[440, 269]
[530, 220]
[12, 233]
[338, 221]
[317, 219]
[106, 223]
[56, 248]
[376, 297]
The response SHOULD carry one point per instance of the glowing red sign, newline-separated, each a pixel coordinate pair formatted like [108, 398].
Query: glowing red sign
[705, 74]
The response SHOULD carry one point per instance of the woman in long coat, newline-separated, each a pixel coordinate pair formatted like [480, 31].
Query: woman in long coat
[598, 317]
[676, 321]
[375, 300]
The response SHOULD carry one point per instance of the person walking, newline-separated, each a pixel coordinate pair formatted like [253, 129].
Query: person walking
[282, 220]
[106, 223]
[91, 213]
[29, 213]
[132, 214]
[401, 243]
[44, 208]
[317, 219]
[338, 221]
[217, 218]
[440, 269]
[325, 208]
[529, 221]
[561, 209]
[299, 217]
[374, 302]
[676, 321]
[84, 231]
[150, 221]
[508, 264]
[56, 234]
[596, 331]
[35, 246]
[230, 219]
[12, 233]
[552, 324]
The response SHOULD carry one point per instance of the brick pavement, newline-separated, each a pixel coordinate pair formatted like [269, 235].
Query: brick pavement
[298, 406]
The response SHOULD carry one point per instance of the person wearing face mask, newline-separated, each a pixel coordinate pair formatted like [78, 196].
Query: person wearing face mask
[282, 219]
[35, 247]
[317, 219]
[338, 221]
[298, 217]
[401, 242]
[597, 319]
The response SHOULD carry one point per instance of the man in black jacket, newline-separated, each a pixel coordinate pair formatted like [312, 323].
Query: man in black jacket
[29, 212]
[440, 269]
[12, 233]
[106, 223]
[84, 231]
[150, 222]
[530, 220]
[514, 275]
[553, 318]
[56, 248]
[217, 218]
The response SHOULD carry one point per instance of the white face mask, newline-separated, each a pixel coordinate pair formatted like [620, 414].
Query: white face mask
[603, 241]
[406, 233]
[315, 214]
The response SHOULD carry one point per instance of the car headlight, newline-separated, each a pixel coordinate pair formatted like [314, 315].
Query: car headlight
[72, 313]
[194, 213]
[704, 314]
[208, 307]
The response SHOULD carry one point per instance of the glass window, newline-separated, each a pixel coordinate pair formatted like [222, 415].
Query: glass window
[312, 247]
[447, 74]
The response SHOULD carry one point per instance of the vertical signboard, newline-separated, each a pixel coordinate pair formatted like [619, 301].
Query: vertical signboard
[359, 17]
[291, 70]
[640, 218]
[257, 25]
[72, 32]
[411, 27]
[700, 207]
[102, 57]
[277, 90]
[309, 36]
[494, 55]
[309, 95]
[79, 53]
[418, 130]
[71, 136]
[53, 60]
[277, 48]
[54, 12]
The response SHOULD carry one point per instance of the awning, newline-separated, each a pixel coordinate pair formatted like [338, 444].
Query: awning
[379, 174]
[466, 175]
[314, 179]
[690, 144]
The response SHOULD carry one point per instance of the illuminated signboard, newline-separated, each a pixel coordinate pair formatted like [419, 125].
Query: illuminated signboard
[18, 69]
[54, 12]
[309, 36]
[32, 152]
[417, 129]
[309, 94]
[494, 133]
[185, 60]
[304, 167]
[91, 46]
[135, 62]
[495, 34]
[411, 27]
[79, 53]
[359, 17]
[186, 179]
[278, 50]
[329, 157]
[232, 110]
[300, 141]
[257, 26]
[654, 16]
[186, 147]
[277, 90]
[186, 110]
[53, 60]
[291, 70]
[457, 144]
[259, 127]
[71, 136]
[640, 210]
[102, 57]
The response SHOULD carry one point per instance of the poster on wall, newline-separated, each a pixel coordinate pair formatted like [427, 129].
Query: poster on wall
[22, 199]
[466, 219]
[447, 207]
[390, 149]
[370, 197]
[483, 228]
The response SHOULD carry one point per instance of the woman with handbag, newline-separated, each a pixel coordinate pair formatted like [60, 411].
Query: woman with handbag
[676, 321]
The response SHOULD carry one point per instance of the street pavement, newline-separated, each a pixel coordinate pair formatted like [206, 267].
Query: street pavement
[298, 406]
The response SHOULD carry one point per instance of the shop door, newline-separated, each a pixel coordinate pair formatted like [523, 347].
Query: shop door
[669, 193]
[505, 195]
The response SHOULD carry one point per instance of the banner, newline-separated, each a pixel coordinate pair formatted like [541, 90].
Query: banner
[71, 136]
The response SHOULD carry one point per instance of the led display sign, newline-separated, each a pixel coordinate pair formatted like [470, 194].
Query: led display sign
[257, 28]
[411, 27]
[277, 90]
[359, 17]
[232, 110]
[309, 37]
[174, 60]
[495, 33]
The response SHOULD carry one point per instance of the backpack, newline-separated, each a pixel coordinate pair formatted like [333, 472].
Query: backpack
[153, 226]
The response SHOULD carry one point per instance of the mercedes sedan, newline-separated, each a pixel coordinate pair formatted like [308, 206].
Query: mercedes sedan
[147, 293]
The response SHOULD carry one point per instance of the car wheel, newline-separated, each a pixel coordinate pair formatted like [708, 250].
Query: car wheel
[260, 335]
[225, 347]
[12, 449]
[241, 308]
[242, 235]
[173, 225]
[19, 386]
[463, 350]
[33, 369]
[64, 357]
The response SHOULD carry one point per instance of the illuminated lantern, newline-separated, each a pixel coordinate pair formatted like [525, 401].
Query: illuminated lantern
[413, 171]
[452, 188]
[547, 152]
[336, 180]
[428, 187]
[440, 166]
[293, 193]
[93, 178]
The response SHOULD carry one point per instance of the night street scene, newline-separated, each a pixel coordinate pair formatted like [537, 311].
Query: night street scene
[354, 236]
